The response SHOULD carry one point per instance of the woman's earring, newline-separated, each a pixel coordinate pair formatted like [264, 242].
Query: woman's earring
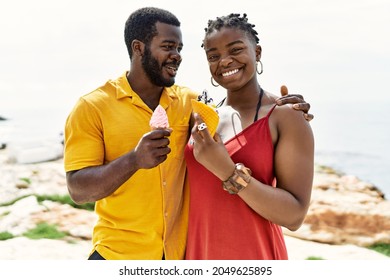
[257, 70]
[212, 82]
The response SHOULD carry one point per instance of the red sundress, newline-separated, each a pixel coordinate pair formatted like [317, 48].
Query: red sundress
[221, 225]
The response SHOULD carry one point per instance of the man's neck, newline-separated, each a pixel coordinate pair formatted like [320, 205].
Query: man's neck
[149, 93]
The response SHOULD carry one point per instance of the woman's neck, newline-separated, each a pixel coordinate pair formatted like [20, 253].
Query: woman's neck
[245, 97]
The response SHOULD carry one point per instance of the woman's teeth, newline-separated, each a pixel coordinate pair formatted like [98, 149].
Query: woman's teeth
[226, 74]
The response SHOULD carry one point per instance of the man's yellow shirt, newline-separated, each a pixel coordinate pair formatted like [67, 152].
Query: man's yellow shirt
[147, 216]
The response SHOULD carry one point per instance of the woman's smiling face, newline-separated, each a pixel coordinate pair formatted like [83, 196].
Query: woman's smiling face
[232, 57]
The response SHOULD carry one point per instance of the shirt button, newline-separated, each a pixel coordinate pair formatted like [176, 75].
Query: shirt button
[164, 183]
[166, 214]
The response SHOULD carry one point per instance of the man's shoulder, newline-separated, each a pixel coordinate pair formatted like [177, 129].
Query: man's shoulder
[106, 90]
[183, 91]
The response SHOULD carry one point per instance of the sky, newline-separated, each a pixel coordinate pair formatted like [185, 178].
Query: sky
[51, 52]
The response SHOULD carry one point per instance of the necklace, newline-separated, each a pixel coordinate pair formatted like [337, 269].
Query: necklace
[257, 106]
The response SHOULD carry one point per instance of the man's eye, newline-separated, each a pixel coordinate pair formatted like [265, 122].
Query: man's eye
[172, 47]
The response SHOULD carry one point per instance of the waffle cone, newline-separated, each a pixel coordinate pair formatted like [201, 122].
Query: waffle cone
[208, 114]
[157, 128]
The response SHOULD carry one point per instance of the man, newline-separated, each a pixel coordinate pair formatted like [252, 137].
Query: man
[136, 176]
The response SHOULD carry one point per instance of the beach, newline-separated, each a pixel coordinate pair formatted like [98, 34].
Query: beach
[22, 248]
[20, 211]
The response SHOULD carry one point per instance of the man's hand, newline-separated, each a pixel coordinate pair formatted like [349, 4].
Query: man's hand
[297, 100]
[152, 149]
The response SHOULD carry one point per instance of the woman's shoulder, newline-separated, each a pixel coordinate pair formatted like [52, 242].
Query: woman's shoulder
[270, 106]
[286, 114]
[282, 113]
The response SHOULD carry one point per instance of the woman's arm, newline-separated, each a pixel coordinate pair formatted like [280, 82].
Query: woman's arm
[287, 204]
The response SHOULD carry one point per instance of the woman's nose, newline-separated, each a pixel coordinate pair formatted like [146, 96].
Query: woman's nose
[225, 61]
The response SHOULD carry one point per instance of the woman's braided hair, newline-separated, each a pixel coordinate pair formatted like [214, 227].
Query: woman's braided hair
[232, 21]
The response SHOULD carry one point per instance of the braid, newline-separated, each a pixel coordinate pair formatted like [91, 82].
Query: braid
[233, 21]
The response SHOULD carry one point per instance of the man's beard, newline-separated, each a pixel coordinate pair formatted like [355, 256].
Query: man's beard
[154, 71]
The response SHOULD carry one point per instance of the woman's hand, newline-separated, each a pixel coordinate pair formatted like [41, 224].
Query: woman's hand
[211, 152]
[299, 102]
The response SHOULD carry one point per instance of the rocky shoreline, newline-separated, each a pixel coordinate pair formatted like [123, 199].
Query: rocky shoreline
[345, 213]
[345, 210]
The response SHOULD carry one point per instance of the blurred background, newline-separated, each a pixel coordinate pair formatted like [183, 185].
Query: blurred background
[335, 53]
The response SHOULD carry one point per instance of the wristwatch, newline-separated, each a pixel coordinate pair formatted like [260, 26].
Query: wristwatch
[239, 179]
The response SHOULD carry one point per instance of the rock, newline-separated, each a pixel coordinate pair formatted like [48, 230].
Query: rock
[34, 152]
[26, 213]
[77, 223]
[19, 180]
[22, 184]
[15, 218]
[345, 210]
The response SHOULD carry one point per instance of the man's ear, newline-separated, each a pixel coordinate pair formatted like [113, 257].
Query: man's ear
[138, 47]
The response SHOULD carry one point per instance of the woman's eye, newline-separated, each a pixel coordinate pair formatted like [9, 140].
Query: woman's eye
[212, 57]
[236, 50]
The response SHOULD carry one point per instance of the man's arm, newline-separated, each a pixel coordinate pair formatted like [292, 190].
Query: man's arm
[96, 182]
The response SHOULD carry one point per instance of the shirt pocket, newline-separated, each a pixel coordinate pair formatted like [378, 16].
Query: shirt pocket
[178, 141]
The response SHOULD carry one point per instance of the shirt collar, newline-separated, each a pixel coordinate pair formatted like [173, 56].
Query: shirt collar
[124, 90]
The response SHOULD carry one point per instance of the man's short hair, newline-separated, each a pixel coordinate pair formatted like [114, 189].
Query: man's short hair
[141, 25]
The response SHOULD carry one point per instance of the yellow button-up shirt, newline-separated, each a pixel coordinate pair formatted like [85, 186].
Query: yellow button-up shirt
[147, 216]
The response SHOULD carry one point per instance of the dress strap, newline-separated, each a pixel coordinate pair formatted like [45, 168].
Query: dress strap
[258, 104]
[271, 110]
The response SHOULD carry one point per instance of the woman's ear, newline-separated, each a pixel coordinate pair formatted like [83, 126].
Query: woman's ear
[258, 52]
[138, 47]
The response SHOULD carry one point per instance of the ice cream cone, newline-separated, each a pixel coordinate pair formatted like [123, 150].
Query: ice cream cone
[159, 119]
[208, 114]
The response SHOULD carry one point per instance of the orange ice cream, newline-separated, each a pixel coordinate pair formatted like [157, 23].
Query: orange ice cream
[159, 119]
[208, 114]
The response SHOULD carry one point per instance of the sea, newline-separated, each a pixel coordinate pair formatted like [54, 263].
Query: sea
[353, 140]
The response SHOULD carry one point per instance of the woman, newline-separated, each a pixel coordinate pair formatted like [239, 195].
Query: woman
[257, 178]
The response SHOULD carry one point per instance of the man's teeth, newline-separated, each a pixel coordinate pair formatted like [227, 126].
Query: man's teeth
[173, 69]
[226, 74]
